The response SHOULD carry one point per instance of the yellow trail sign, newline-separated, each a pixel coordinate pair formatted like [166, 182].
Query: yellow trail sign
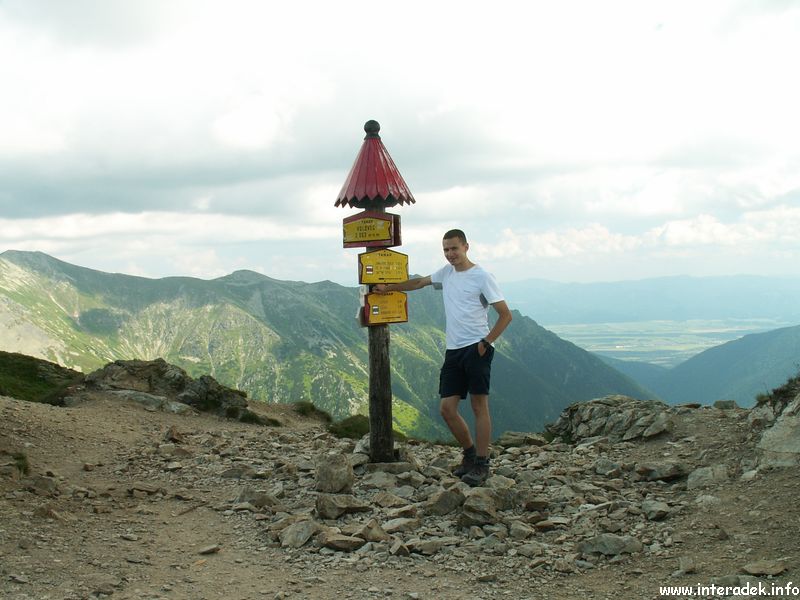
[386, 308]
[382, 266]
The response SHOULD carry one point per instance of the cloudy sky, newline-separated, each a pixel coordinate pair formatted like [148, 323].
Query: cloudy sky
[571, 140]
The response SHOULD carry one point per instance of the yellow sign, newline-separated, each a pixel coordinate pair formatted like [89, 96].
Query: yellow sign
[382, 266]
[371, 229]
[368, 229]
[386, 308]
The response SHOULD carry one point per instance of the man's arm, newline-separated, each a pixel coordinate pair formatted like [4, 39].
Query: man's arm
[404, 286]
[503, 319]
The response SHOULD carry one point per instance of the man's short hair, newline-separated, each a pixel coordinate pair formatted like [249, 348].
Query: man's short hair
[455, 233]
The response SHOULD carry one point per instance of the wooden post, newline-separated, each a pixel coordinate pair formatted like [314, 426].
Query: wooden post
[381, 440]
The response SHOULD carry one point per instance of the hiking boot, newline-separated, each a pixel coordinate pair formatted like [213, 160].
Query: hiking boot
[465, 467]
[478, 474]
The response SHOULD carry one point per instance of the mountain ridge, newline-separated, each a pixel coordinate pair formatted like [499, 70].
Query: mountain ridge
[283, 341]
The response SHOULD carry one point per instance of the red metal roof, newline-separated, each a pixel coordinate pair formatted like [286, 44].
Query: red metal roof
[374, 180]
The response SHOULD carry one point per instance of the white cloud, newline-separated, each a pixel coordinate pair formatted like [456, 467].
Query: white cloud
[634, 131]
[189, 228]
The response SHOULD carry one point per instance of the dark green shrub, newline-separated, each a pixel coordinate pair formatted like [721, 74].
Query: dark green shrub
[248, 416]
[21, 462]
[356, 427]
[307, 409]
[27, 378]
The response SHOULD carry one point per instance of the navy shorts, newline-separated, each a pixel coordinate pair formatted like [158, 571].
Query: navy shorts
[465, 370]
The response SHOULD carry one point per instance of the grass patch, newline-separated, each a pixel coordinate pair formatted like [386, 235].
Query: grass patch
[35, 380]
[784, 393]
[248, 416]
[356, 427]
[307, 409]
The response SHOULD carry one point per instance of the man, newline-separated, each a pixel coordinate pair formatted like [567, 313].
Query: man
[468, 291]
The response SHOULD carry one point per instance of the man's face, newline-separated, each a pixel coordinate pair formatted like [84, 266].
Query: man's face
[455, 251]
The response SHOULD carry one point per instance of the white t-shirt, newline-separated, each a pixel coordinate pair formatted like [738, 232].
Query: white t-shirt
[467, 296]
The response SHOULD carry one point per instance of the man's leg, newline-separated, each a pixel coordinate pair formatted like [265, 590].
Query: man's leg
[483, 423]
[455, 422]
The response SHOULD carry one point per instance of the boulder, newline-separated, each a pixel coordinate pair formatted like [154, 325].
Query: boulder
[343, 543]
[297, 534]
[707, 476]
[663, 471]
[510, 439]
[333, 506]
[780, 444]
[617, 417]
[334, 474]
[480, 508]
[160, 384]
[443, 502]
[610, 544]
[655, 510]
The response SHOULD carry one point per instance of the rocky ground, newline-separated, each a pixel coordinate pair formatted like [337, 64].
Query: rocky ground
[131, 501]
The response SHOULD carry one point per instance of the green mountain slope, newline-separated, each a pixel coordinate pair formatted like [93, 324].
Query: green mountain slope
[281, 341]
[738, 370]
[33, 379]
[645, 374]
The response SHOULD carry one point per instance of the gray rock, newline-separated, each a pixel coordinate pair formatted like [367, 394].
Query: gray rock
[663, 423]
[297, 534]
[610, 544]
[371, 531]
[429, 546]
[617, 417]
[388, 500]
[380, 480]
[780, 444]
[607, 468]
[662, 471]
[510, 439]
[443, 502]
[332, 506]
[707, 476]
[343, 543]
[402, 524]
[241, 471]
[142, 398]
[394, 468]
[531, 549]
[257, 498]
[480, 508]
[765, 567]
[159, 382]
[177, 408]
[520, 531]
[655, 510]
[334, 474]
[41, 485]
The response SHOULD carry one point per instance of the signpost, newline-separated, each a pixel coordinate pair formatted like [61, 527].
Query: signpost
[373, 185]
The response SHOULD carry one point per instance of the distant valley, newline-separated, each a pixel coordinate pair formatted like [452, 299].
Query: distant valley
[687, 339]
[738, 370]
